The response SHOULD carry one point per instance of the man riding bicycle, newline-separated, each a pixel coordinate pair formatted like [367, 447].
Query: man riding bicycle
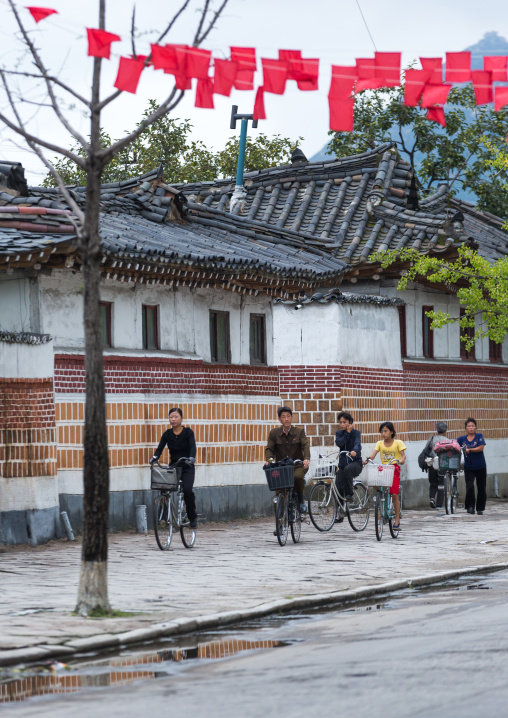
[290, 442]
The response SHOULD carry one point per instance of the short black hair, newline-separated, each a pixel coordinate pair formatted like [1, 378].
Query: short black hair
[389, 426]
[345, 415]
[469, 419]
[175, 408]
[282, 409]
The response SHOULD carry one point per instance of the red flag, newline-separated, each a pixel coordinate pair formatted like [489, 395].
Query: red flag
[367, 79]
[414, 83]
[294, 61]
[99, 42]
[198, 62]
[436, 114]
[388, 68]
[275, 74]
[225, 73]
[129, 72]
[40, 13]
[304, 70]
[164, 58]
[204, 94]
[259, 105]
[341, 114]
[501, 98]
[497, 66]
[435, 66]
[482, 83]
[245, 57]
[343, 80]
[435, 95]
[244, 80]
[458, 67]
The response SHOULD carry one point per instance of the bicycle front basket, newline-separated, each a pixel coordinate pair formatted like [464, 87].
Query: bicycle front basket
[163, 479]
[449, 460]
[380, 474]
[280, 477]
[325, 469]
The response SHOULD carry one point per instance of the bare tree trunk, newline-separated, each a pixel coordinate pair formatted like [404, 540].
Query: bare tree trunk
[93, 582]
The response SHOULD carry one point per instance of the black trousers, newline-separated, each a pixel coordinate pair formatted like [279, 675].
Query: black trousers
[481, 485]
[345, 475]
[434, 482]
[189, 496]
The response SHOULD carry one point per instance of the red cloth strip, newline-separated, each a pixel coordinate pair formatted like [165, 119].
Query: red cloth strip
[343, 80]
[275, 74]
[259, 105]
[245, 57]
[164, 58]
[458, 67]
[129, 72]
[99, 42]
[198, 62]
[482, 83]
[204, 94]
[500, 98]
[435, 95]
[244, 80]
[414, 85]
[435, 66]
[497, 66]
[225, 73]
[341, 114]
[366, 70]
[436, 114]
[388, 68]
[41, 13]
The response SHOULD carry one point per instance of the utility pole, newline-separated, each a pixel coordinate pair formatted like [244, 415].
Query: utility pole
[240, 193]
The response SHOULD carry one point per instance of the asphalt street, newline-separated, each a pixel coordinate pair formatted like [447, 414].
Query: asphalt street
[422, 653]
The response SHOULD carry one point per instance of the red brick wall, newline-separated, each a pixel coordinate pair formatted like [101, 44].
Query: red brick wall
[27, 428]
[162, 376]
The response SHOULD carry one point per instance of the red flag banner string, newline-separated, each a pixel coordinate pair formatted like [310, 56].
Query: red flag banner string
[99, 42]
[497, 66]
[482, 84]
[204, 93]
[275, 73]
[225, 73]
[129, 72]
[259, 105]
[436, 114]
[458, 67]
[41, 13]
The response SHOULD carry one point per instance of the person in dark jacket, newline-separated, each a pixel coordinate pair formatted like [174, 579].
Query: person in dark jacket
[475, 467]
[349, 439]
[181, 444]
[436, 486]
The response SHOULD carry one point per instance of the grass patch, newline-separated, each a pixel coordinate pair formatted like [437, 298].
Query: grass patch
[112, 613]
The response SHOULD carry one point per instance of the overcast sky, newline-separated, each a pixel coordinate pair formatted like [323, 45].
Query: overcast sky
[332, 30]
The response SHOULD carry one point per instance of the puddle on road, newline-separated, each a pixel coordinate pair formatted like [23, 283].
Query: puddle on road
[167, 657]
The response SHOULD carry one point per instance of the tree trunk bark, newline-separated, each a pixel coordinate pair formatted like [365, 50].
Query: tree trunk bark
[93, 581]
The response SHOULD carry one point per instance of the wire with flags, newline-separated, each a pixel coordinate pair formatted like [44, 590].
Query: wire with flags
[422, 87]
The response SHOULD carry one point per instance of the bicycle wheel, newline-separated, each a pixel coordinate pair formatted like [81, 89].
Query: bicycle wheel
[322, 506]
[162, 521]
[454, 493]
[401, 498]
[296, 521]
[187, 534]
[378, 515]
[358, 509]
[391, 521]
[447, 494]
[281, 518]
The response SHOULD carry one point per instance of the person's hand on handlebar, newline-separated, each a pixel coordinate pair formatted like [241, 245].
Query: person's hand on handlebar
[306, 464]
[153, 460]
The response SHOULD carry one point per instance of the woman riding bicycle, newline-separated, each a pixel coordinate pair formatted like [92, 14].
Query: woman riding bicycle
[391, 449]
[349, 439]
[181, 443]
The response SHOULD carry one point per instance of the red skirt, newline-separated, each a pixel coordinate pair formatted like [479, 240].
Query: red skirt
[396, 480]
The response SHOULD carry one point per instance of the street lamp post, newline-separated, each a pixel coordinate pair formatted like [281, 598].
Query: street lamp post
[240, 193]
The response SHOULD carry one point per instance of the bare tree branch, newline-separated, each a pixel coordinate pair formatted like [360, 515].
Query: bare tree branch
[172, 22]
[50, 78]
[204, 12]
[216, 16]
[40, 66]
[133, 27]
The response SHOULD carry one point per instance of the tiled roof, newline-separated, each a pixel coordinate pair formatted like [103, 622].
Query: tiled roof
[486, 229]
[335, 295]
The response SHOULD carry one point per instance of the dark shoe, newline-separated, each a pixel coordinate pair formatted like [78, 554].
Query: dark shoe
[433, 503]
[480, 513]
[350, 498]
[339, 519]
[275, 532]
[470, 510]
[194, 524]
[303, 508]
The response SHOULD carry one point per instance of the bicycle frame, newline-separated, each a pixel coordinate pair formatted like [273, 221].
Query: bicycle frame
[341, 500]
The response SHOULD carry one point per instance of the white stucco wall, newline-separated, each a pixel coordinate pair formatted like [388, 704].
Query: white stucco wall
[15, 315]
[331, 334]
[29, 361]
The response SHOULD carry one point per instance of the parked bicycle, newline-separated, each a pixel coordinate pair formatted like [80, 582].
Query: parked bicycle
[381, 476]
[287, 509]
[326, 503]
[170, 506]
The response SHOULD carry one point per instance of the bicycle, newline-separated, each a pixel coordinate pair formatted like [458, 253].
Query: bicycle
[451, 464]
[383, 504]
[287, 508]
[170, 512]
[326, 502]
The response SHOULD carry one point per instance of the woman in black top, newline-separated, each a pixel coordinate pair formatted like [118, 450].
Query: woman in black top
[181, 444]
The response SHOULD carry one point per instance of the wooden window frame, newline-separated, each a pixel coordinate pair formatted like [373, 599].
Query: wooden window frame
[214, 354]
[495, 352]
[253, 319]
[403, 333]
[144, 323]
[426, 321]
[467, 354]
[107, 306]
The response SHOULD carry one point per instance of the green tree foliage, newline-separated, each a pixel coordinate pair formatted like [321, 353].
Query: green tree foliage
[482, 289]
[167, 142]
[459, 154]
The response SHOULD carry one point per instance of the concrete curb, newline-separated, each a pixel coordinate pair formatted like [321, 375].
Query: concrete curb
[217, 620]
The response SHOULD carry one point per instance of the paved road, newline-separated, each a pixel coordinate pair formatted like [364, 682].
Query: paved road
[233, 565]
[439, 652]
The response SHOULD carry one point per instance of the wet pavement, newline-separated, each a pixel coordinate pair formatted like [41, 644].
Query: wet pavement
[425, 652]
[232, 567]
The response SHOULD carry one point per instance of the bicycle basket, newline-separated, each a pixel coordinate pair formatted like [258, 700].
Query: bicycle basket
[449, 461]
[325, 469]
[164, 479]
[380, 474]
[280, 477]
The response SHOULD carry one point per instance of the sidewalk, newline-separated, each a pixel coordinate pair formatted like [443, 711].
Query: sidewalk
[234, 566]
